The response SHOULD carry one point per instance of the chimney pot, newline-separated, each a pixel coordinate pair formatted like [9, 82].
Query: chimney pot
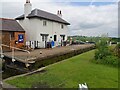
[60, 12]
[27, 1]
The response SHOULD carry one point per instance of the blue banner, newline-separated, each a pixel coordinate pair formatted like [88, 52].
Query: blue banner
[20, 38]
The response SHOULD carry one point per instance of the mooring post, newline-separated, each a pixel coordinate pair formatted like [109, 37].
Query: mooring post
[1, 51]
[13, 58]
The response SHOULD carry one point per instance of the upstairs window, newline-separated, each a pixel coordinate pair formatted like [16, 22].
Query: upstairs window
[62, 26]
[44, 23]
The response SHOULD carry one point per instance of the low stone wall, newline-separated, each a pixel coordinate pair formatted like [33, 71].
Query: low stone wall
[41, 62]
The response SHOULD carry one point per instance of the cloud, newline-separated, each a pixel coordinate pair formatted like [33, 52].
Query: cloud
[93, 21]
[85, 20]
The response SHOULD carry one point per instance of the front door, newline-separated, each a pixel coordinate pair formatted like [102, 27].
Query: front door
[55, 37]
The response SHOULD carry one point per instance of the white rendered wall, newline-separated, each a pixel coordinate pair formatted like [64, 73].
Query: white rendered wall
[34, 27]
[27, 9]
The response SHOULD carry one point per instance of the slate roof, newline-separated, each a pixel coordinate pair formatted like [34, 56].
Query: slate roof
[44, 15]
[10, 25]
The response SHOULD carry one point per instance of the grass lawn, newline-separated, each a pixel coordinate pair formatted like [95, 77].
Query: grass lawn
[71, 72]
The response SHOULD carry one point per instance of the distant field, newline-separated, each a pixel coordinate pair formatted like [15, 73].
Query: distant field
[71, 72]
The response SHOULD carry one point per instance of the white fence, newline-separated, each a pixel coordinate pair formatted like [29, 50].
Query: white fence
[39, 44]
[36, 44]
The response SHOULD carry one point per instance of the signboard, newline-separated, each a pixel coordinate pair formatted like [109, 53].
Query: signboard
[20, 38]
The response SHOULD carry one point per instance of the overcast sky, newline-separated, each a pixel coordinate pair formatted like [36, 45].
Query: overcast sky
[88, 18]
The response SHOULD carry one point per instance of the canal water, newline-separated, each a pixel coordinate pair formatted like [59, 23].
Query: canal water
[9, 73]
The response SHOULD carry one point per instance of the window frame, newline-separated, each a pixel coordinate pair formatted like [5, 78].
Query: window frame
[44, 37]
[44, 23]
[62, 26]
[62, 37]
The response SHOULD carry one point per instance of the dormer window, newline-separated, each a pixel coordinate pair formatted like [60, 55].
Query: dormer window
[44, 23]
[62, 26]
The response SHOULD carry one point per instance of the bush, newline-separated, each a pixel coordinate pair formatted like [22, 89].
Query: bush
[100, 54]
[117, 50]
[108, 60]
[111, 60]
[118, 45]
[102, 49]
[106, 56]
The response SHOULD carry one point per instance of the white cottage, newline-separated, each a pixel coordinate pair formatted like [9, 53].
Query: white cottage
[42, 26]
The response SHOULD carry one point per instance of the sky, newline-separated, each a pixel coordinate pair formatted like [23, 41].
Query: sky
[87, 17]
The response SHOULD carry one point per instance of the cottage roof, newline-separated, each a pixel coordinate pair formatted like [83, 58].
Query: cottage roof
[44, 15]
[10, 25]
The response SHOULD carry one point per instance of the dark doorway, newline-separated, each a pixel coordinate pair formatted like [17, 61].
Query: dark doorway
[63, 38]
[55, 37]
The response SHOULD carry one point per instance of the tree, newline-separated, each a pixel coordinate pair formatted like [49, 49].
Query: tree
[102, 48]
[117, 50]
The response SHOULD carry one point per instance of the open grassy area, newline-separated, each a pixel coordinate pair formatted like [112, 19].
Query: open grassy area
[71, 72]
